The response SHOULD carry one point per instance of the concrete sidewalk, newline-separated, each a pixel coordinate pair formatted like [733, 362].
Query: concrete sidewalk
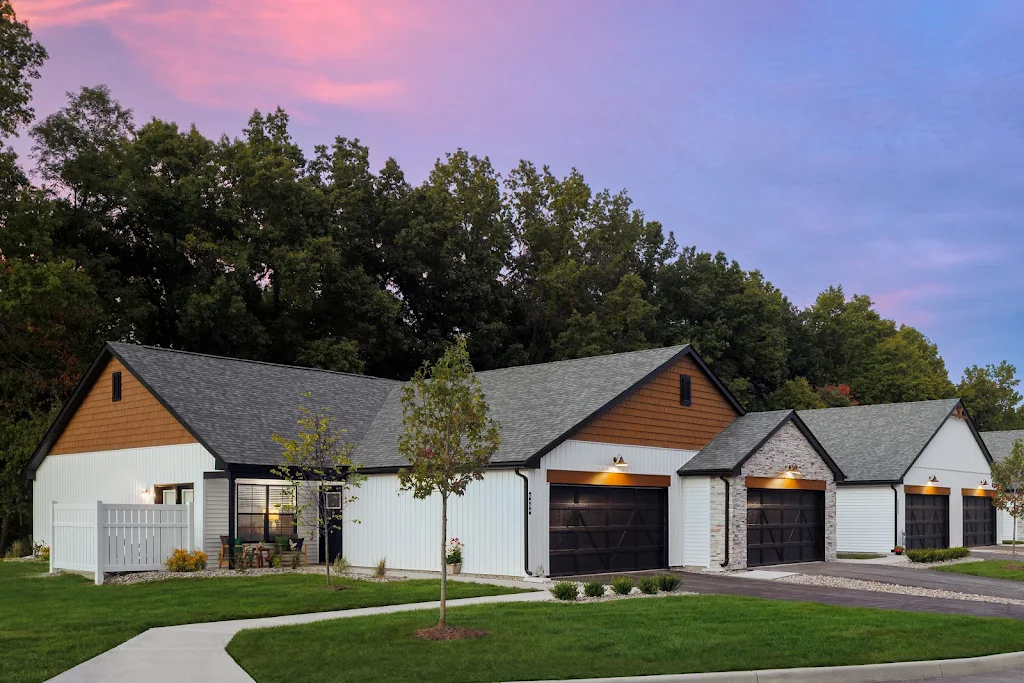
[195, 652]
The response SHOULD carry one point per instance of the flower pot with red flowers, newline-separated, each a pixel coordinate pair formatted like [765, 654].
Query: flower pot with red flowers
[898, 550]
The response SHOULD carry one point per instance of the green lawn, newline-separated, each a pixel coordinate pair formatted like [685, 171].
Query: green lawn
[859, 556]
[620, 638]
[49, 624]
[995, 569]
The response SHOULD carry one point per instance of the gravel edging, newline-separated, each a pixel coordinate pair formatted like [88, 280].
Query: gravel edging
[942, 563]
[146, 577]
[858, 584]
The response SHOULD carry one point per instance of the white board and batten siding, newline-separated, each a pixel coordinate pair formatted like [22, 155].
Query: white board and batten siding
[215, 515]
[589, 456]
[956, 460]
[406, 532]
[116, 477]
[865, 518]
[696, 521]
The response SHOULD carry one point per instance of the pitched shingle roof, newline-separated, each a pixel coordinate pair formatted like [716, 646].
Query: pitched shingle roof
[736, 443]
[1000, 444]
[233, 406]
[878, 442]
[537, 405]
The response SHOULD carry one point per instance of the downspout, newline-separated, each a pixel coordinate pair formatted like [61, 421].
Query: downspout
[895, 515]
[726, 482]
[526, 521]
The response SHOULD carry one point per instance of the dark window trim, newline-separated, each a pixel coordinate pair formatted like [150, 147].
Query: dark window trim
[115, 386]
[685, 390]
[266, 511]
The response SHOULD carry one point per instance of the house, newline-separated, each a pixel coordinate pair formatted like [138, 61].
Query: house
[916, 475]
[1000, 445]
[591, 475]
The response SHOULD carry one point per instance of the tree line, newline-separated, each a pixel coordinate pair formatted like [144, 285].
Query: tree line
[248, 246]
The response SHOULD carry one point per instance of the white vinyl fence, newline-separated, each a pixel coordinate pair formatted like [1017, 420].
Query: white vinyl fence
[99, 537]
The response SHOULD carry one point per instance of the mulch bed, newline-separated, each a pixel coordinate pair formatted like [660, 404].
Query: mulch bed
[449, 633]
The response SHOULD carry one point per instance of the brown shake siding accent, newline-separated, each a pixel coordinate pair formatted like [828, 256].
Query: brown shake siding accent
[653, 416]
[136, 421]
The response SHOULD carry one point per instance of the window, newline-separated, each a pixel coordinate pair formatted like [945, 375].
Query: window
[115, 386]
[265, 512]
[684, 390]
[174, 494]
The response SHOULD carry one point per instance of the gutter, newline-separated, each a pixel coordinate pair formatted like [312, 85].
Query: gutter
[895, 515]
[526, 521]
[726, 482]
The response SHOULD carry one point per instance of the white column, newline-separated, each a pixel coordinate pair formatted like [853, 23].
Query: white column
[100, 545]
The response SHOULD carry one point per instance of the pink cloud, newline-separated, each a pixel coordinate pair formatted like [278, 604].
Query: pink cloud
[905, 305]
[246, 53]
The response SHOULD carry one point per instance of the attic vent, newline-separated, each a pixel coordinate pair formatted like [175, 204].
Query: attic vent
[115, 385]
[684, 390]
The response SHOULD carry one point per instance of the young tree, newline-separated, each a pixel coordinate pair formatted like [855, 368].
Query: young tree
[1008, 481]
[449, 437]
[318, 462]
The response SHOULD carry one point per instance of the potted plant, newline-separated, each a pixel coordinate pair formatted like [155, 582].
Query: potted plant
[453, 556]
[898, 550]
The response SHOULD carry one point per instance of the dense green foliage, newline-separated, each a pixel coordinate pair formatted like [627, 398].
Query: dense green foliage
[565, 590]
[937, 554]
[50, 624]
[670, 635]
[252, 247]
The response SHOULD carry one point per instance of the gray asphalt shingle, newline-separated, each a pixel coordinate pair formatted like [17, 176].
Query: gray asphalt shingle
[737, 441]
[236, 405]
[1000, 444]
[877, 442]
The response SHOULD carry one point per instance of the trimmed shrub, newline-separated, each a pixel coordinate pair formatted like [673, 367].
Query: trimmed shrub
[182, 560]
[668, 582]
[937, 554]
[380, 570]
[565, 590]
[648, 585]
[622, 585]
[593, 589]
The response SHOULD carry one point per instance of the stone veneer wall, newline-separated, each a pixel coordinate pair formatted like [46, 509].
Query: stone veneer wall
[787, 446]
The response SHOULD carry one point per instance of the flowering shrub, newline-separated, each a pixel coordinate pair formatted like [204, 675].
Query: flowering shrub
[454, 553]
[182, 560]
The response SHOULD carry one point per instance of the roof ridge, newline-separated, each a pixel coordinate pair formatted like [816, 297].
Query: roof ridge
[256, 362]
[877, 405]
[678, 347]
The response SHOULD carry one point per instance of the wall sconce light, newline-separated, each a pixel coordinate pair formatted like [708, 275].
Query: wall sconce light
[792, 471]
[932, 479]
[619, 461]
[983, 484]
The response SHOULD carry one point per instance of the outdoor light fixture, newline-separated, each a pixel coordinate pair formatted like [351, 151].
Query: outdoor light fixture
[984, 483]
[932, 479]
[792, 471]
[619, 461]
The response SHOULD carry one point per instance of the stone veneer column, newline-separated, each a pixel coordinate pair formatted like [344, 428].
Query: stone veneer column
[787, 447]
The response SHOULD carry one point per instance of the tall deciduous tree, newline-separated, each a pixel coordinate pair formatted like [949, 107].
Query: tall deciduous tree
[449, 437]
[21, 57]
[990, 395]
[317, 463]
[1008, 481]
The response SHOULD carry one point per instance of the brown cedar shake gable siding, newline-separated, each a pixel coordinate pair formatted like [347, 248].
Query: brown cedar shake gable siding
[653, 416]
[138, 420]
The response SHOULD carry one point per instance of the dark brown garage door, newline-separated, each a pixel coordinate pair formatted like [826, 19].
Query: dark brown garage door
[979, 521]
[927, 521]
[598, 529]
[784, 526]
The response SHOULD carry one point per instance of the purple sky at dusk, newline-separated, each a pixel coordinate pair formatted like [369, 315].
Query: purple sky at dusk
[879, 145]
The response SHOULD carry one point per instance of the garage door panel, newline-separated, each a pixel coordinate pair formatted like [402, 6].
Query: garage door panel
[602, 528]
[927, 521]
[784, 526]
[979, 521]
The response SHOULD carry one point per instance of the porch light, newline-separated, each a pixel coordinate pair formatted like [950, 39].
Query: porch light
[932, 479]
[792, 471]
[620, 462]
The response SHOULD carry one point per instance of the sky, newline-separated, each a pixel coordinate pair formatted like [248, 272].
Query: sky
[877, 145]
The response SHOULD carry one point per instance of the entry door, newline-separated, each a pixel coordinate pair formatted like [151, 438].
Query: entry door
[595, 529]
[979, 521]
[332, 502]
[927, 521]
[785, 525]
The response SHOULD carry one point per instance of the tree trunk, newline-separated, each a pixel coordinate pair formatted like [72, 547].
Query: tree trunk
[444, 560]
[1013, 546]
